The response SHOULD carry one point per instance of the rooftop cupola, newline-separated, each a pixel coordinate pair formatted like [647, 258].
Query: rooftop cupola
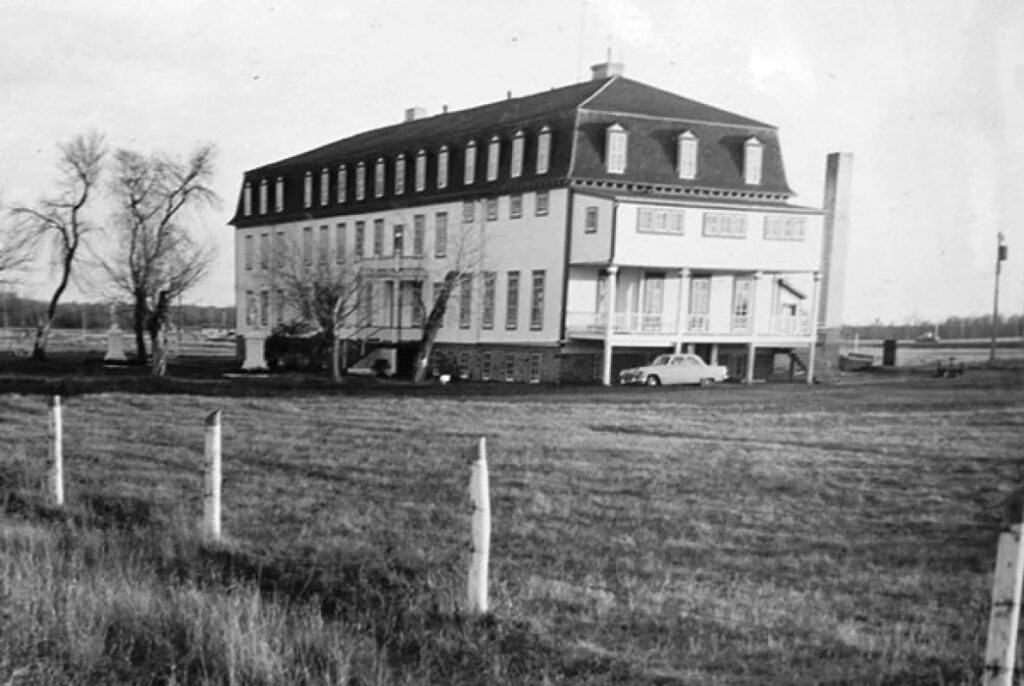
[605, 69]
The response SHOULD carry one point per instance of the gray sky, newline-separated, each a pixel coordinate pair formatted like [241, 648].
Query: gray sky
[928, 95]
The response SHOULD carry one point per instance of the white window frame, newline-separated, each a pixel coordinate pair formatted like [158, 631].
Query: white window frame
[515, 206]
[469, 166]
[421, 171]
[541, 208]
[361, 181]
[325, 186]
[307, 189]
[493, 156]
[441, 234]
[515, 169]
[537, 299]
[279, 195]
[544, 150]
[250, 249]
[615, 146]
[264, 192]
[535, 367]
[590, 218]
[753, 161]
[247, 200]
[400, 174]
[340, 239]
[687, 147]
[342, 182]
[379, 178]
[442, 167]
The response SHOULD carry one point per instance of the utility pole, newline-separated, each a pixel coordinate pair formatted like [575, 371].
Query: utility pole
[1000, 256]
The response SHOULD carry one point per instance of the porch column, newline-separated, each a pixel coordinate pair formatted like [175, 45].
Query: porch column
[753, 327]
[814, 326]
[684, 295]
[609, 329]
[714, 354]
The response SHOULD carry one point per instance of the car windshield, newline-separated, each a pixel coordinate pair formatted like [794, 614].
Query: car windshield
[662, 359]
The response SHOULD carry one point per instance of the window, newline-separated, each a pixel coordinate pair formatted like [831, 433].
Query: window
[421, 170]
[441, 234]
[465, 303]
[400, 175]
[590, 222]
[250, 308]
[416, 289]
[438, 289]
[492, 209]
[753, 153]
[264, 251]
[378, 178]
[366, 304]
[263, 196]
[725, 225]
[360, 241]
[510, 367]
[700, 303]
[468, 211]
[687, 155]
[537, 301]
[542, 203]
[515, 206]
[442, 167]
[264, 308]
[307, 245]
[279, 195]
[535, 368]
[325, 186]
[543, 150]
[487, 312]
[325, 244]
[485, 366]
[615, 149]
[469, 172]
[279, 308]
[512, 301]
[516, 167]
[279, 249]
[247, 199]
[307, 189]
[493, 153]
[361, 181]
[742, 288]
[398, 234]
[248, 252]
[419, 224]
[342, 182]
[464, 364]
[339, 243]
[779, 227]
[651, 220]
[387, 306]
[378, 237]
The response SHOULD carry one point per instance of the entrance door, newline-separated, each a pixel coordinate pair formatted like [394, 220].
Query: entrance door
[653, 301]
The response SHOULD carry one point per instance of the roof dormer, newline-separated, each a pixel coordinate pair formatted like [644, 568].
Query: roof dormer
[615, 145]
[753, 156]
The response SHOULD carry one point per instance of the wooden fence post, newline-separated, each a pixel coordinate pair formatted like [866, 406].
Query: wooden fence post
[1006, 592]
[479, 493]
[211, 492]
[56, 452]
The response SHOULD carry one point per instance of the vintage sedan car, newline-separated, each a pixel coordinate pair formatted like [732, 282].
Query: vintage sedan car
[674, 369]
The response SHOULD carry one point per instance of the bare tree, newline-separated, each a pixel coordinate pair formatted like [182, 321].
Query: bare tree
[61, 219]
[156, 257]
[16, 247]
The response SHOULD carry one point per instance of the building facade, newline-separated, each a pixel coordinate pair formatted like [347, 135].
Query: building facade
[603, 222]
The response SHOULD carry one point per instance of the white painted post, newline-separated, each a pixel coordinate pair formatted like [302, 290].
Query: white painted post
[479, 492]
[211, 493]
[56, 451]
[1006, 592]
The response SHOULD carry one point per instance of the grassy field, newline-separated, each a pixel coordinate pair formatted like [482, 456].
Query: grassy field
[768, 535]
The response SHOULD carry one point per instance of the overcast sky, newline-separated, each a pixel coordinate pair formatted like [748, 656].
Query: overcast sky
[928, 95]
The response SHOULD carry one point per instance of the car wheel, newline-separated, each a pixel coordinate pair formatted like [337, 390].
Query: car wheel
[705, 383]
[653, 380]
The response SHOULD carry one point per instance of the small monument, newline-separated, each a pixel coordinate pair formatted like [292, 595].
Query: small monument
[255, 358]
[115, 339]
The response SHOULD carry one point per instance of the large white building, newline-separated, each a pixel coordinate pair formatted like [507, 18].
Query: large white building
[605, 221]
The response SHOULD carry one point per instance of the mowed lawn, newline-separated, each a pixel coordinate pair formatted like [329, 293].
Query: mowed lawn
[767, 535]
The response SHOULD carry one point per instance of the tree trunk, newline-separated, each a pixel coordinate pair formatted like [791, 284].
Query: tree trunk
[42, 335]
[43, 331]
[140, 328]
[335, 369]
[157, 325]
[431, 327]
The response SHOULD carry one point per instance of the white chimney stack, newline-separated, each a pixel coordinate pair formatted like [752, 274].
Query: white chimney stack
[414, 113]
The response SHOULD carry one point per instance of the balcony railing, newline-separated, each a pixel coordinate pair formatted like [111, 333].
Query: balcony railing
[660, 324]
[790, 324]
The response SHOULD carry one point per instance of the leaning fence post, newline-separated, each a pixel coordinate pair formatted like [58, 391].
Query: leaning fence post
[56, 452]
[1006, 592]
[211, 492]
[479, 492]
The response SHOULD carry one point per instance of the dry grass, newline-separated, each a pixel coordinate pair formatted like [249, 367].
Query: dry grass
[787, 535]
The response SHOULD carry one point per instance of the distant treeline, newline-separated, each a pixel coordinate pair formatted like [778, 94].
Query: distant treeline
[16, 312]
[951, 328]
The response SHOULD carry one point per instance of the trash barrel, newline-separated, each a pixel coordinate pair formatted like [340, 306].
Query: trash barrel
[889, 352]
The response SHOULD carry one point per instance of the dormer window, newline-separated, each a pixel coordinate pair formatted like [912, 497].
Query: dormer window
[469, 172]
[307, 189]
[753, 155]
[361, 181]
[325, 186]
[247, 199]
[615, 149]
[342, 182]
[378, 178]
[421, 170]
[442, 167]
[686, 152]
[263, 196]
[279, 195]
[516, 167]
[543, 150]
[400, 175]
[493, 153]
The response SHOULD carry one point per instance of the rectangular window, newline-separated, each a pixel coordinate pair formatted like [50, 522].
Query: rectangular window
[416, 297]
[516, 167]
[325, 244]
[247, 199]
[307, 245]
[493, 153]
[650, 220]
[465, 303]
[339, 242]
[400, 175]
[421, 171]
[441, 234]
[616, 150]
[279, 195]
[700, 295]
[515, 206]
[325, 187]
[248, 253]
[419, 224]
[307, 189]
[250, 308]
[487, 312]
[342, 182]
[753, 153]
[742, 288]
[264, 251]
[378, 237]
[492, 209]
[512, 301]
[378, 179]
[537, 301]
[263, 196]
[543, 150]
[464, 364]
[279, 308]
[485, 366]
[360, 241]
[361, 181]
[264, 308]
[510, 367]
[387, 305]
[469, 172]
[442, 167]
[725, 225]
[468, 211]
[397, 240]
[590, 224]
[535, 368]
[542, 203]
[779, 227]
[687, 154]
[366, 304]
[279, 248]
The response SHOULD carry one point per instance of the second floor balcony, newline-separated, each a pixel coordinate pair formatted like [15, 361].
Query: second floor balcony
[595, 325]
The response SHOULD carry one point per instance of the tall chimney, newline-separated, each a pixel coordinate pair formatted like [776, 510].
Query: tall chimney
[414, 113]
[606, 69]
[835, 237]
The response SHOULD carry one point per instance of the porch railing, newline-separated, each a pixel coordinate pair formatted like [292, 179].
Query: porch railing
[660, 324]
